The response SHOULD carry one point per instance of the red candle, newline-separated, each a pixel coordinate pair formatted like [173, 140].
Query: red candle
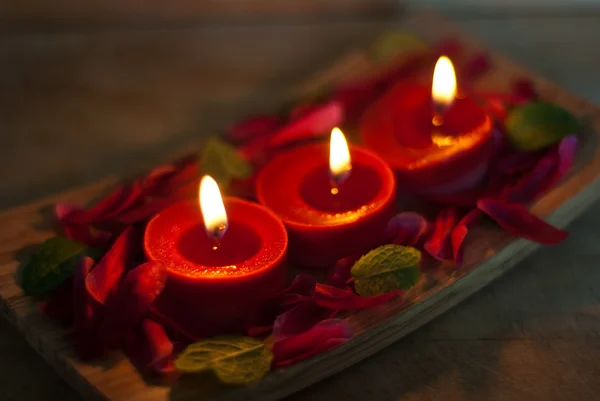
[435, 143]
[333, 201]
[221, 265]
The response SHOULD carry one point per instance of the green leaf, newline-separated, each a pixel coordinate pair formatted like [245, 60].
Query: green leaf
[386, 269]
[51, 264]
[536, 125]
[392, 44]
[235, 360]
[222, 162]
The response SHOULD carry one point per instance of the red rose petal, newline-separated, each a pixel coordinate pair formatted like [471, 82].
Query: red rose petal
[567, 149]
[406, 228]
[317, 122]
[301, 318]
[524, 90]
[87, 341]
[103, 280]
[253, 127]
[439, 244]
[166, 321]
[517, 162]
[532, 183]
[324, 336]
[459, 233]
[345, 299]
[477, 66]
[150, 349]
[133, 299]
[88, 235]
[262, 322]
[516, 219]
[340, 274]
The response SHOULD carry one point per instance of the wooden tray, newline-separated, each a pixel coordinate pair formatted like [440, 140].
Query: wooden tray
[489, 254]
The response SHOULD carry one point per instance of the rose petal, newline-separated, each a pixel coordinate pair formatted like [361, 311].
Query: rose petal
[340, 274]
[406, 228]
[253, 127]
[524, 90]
[133, 299]
[166, 321]
[324, 336]
[449, 47]
[315, 123]
[459, 233]
[477, 66]
[262, 321]
[532, 183]
[516, 219]
[87, 341]
[439, 244]
[150, 348]
[345, 299]
[86, 234]
[517, 162]
[103, 280]
[301, 317]
[567, 149]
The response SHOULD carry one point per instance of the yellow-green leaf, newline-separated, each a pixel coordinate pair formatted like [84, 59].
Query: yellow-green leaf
[386, 269]
[235, 360]
[392, 44]
[222, 161]
[536, 125]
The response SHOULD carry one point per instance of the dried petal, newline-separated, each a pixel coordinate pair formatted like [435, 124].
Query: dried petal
[324, 336]
[133, 299]
[103, 280]
[516, 219]
[439, 244]
[345, 299]
[459, 233]
[406, 228]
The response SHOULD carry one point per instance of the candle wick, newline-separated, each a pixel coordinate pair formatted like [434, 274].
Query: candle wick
[438, 114]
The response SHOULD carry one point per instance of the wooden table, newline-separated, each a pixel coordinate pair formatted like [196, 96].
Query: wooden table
[78, 105]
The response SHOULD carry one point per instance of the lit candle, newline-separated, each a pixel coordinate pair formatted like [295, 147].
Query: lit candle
[335, 200]
[449, 155]
[213, 249]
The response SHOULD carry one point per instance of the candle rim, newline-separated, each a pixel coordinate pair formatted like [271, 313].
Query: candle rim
[277, 259]
[380, 196]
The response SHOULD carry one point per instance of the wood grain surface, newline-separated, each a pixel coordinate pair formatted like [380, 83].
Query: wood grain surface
[438, 355]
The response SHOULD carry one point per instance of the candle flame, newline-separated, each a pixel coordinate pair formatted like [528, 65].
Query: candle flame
[212, 208]
[443, 89]
[339, 158]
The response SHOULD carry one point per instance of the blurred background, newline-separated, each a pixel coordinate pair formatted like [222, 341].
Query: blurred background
[95, 88]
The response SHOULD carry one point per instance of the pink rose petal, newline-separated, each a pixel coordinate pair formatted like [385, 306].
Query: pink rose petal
[345, 299]
[406, 228]
[459, 233]
[103, 280]
[439, 244]
[132, 300]
[324, 336]
[516, 219]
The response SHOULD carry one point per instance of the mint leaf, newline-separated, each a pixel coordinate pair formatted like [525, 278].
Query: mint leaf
[386, 269]
[536, 125]
[392, 44]
[235, 360]
[222, 162]
[51, 264]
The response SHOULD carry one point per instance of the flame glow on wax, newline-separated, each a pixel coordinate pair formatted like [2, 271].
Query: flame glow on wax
[212, 208]
[339, 159]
